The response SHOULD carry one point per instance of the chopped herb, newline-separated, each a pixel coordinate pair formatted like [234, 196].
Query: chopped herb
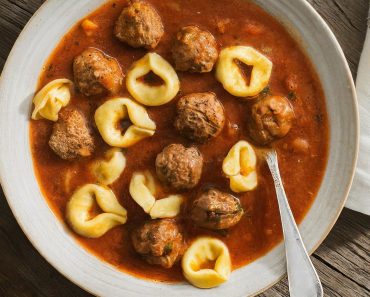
[213, 216]
[319, 118]
[168, 248]
[223, 232]
[266, 91]
[219, 212]
[239, 208]
[292, 96]
[50, 67]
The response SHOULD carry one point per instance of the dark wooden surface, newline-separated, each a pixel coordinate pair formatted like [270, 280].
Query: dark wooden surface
[343, 260]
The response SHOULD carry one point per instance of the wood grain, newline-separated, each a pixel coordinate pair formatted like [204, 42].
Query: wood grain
[343, 260]
[347, 19]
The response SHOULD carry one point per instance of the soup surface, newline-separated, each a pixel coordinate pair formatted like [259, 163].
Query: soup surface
[232, 22]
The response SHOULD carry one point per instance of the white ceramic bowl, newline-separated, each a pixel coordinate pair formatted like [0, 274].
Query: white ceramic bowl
[17, 86]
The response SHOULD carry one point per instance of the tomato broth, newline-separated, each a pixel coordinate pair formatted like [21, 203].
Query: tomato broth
[232, 22]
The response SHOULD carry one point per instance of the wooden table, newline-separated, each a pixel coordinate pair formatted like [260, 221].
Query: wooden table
[343, 260]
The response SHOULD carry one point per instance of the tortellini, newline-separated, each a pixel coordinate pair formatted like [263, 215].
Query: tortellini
[143, 190]
[167, 207]
[203, 251]
[51, 98]
[109, 169]
[240, 167]
[110, 113]
[82, 202]
[229, 74]
[152, 95]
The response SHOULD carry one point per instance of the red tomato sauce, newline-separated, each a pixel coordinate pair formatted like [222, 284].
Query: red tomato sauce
[233, 22]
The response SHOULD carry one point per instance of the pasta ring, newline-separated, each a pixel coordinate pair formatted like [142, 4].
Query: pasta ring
[152, 95]
[203, 250]
[80, 205]
[143, 188]
[109, 170]
[112, 111]
[51, 98]
[228, 73]
[240, 167]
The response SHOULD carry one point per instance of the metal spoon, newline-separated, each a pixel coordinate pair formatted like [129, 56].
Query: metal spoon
[302, 276]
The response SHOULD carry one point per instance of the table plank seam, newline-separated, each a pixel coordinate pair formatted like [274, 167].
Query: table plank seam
[345, 15]
[338, 271]
[21, 7]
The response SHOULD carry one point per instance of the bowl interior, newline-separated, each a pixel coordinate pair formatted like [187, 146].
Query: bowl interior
[49, 236]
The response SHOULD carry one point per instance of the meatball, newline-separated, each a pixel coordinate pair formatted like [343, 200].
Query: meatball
[160, 242]
[194, 50]
[272, 118]
[180, 167]
[71, 136]
[139, 25]
[200, 116]
[96, 73]
[216, 210]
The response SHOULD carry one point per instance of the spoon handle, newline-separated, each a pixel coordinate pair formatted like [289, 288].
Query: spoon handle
[302, 276]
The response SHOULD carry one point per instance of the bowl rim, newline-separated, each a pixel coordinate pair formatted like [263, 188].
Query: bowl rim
[51, 261]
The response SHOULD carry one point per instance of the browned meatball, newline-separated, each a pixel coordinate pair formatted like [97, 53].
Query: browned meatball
[139, 25]
[194, 50]
[216, 210]
[200, 116]
[160, 242]
[272, 118]
[180, 167]
[96, 73]
[71, 136]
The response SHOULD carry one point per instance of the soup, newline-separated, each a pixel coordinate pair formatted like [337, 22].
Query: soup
[302, 152]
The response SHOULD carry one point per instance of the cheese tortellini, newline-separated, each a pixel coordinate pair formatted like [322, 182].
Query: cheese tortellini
[108, 170]
[143, 190]
[166, 207]
[110, 113]
[51, 98]
[240, 167]
[152, 95]
[203, 251]
[229, 74]
[82, 202]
